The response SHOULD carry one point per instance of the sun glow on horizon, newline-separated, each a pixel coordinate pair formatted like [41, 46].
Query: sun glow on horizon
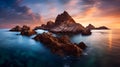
[110, 39]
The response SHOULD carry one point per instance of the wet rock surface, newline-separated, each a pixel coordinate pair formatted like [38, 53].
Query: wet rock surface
[82, 45]
[61, 45]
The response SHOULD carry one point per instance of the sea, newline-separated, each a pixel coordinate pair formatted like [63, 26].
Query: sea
[21, 51]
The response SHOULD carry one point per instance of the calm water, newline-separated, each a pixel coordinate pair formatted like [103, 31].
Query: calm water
[20, 51]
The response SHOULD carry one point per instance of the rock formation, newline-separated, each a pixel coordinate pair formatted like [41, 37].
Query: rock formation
[82, 45]
[25, 30]
[90, 26]
[16, 29]
[101, 27]
[61, 45]
[64, 23]
[48, 26]
[86, 32]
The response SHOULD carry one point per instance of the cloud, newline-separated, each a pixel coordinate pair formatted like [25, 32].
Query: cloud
[110, 8]
[64, 1]
[12, 11]
[105, 7]
[22, 11]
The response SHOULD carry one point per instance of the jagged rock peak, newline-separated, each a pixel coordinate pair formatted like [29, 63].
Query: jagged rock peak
[90, 26]
[64, 17]
[65, 13]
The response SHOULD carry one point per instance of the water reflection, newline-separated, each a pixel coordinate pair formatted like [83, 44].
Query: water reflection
[103, 51]
[110, 39]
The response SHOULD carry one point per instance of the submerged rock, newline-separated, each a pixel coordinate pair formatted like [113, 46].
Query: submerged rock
[28, 32]
[82, 45]
[48, 26]
[60, 45]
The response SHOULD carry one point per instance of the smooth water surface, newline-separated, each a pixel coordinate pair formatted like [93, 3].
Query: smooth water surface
[21, 51]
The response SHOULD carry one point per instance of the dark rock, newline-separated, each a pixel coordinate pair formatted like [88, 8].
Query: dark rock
[16, 29]
[82, 45]
[72, 50]
[60, 45]
[64, 23]
[25, 30]
[28, 32]
[90, 26]
[102, 27]
[48, 26]
[87, 32]
[50, 23]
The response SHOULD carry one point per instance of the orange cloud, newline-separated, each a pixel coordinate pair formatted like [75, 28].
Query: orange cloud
[92, 16]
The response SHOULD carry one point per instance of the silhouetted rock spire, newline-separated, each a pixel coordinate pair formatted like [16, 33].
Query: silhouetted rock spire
[64, 18]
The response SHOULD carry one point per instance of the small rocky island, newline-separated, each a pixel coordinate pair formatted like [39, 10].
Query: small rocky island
[64, 24]
[25, 30]
[92, 27]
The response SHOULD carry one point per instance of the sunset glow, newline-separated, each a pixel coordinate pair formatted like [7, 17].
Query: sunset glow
[35, 13]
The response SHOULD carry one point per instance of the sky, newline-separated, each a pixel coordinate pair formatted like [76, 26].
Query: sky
[37, 12]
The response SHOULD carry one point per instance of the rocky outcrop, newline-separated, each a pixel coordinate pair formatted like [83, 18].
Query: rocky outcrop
[90, 26]
[86, 32]
[60, 45]
[102, 27]
[82, 45]
[25, 30]
[48, 26]
[64, 23]
[16, 29]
